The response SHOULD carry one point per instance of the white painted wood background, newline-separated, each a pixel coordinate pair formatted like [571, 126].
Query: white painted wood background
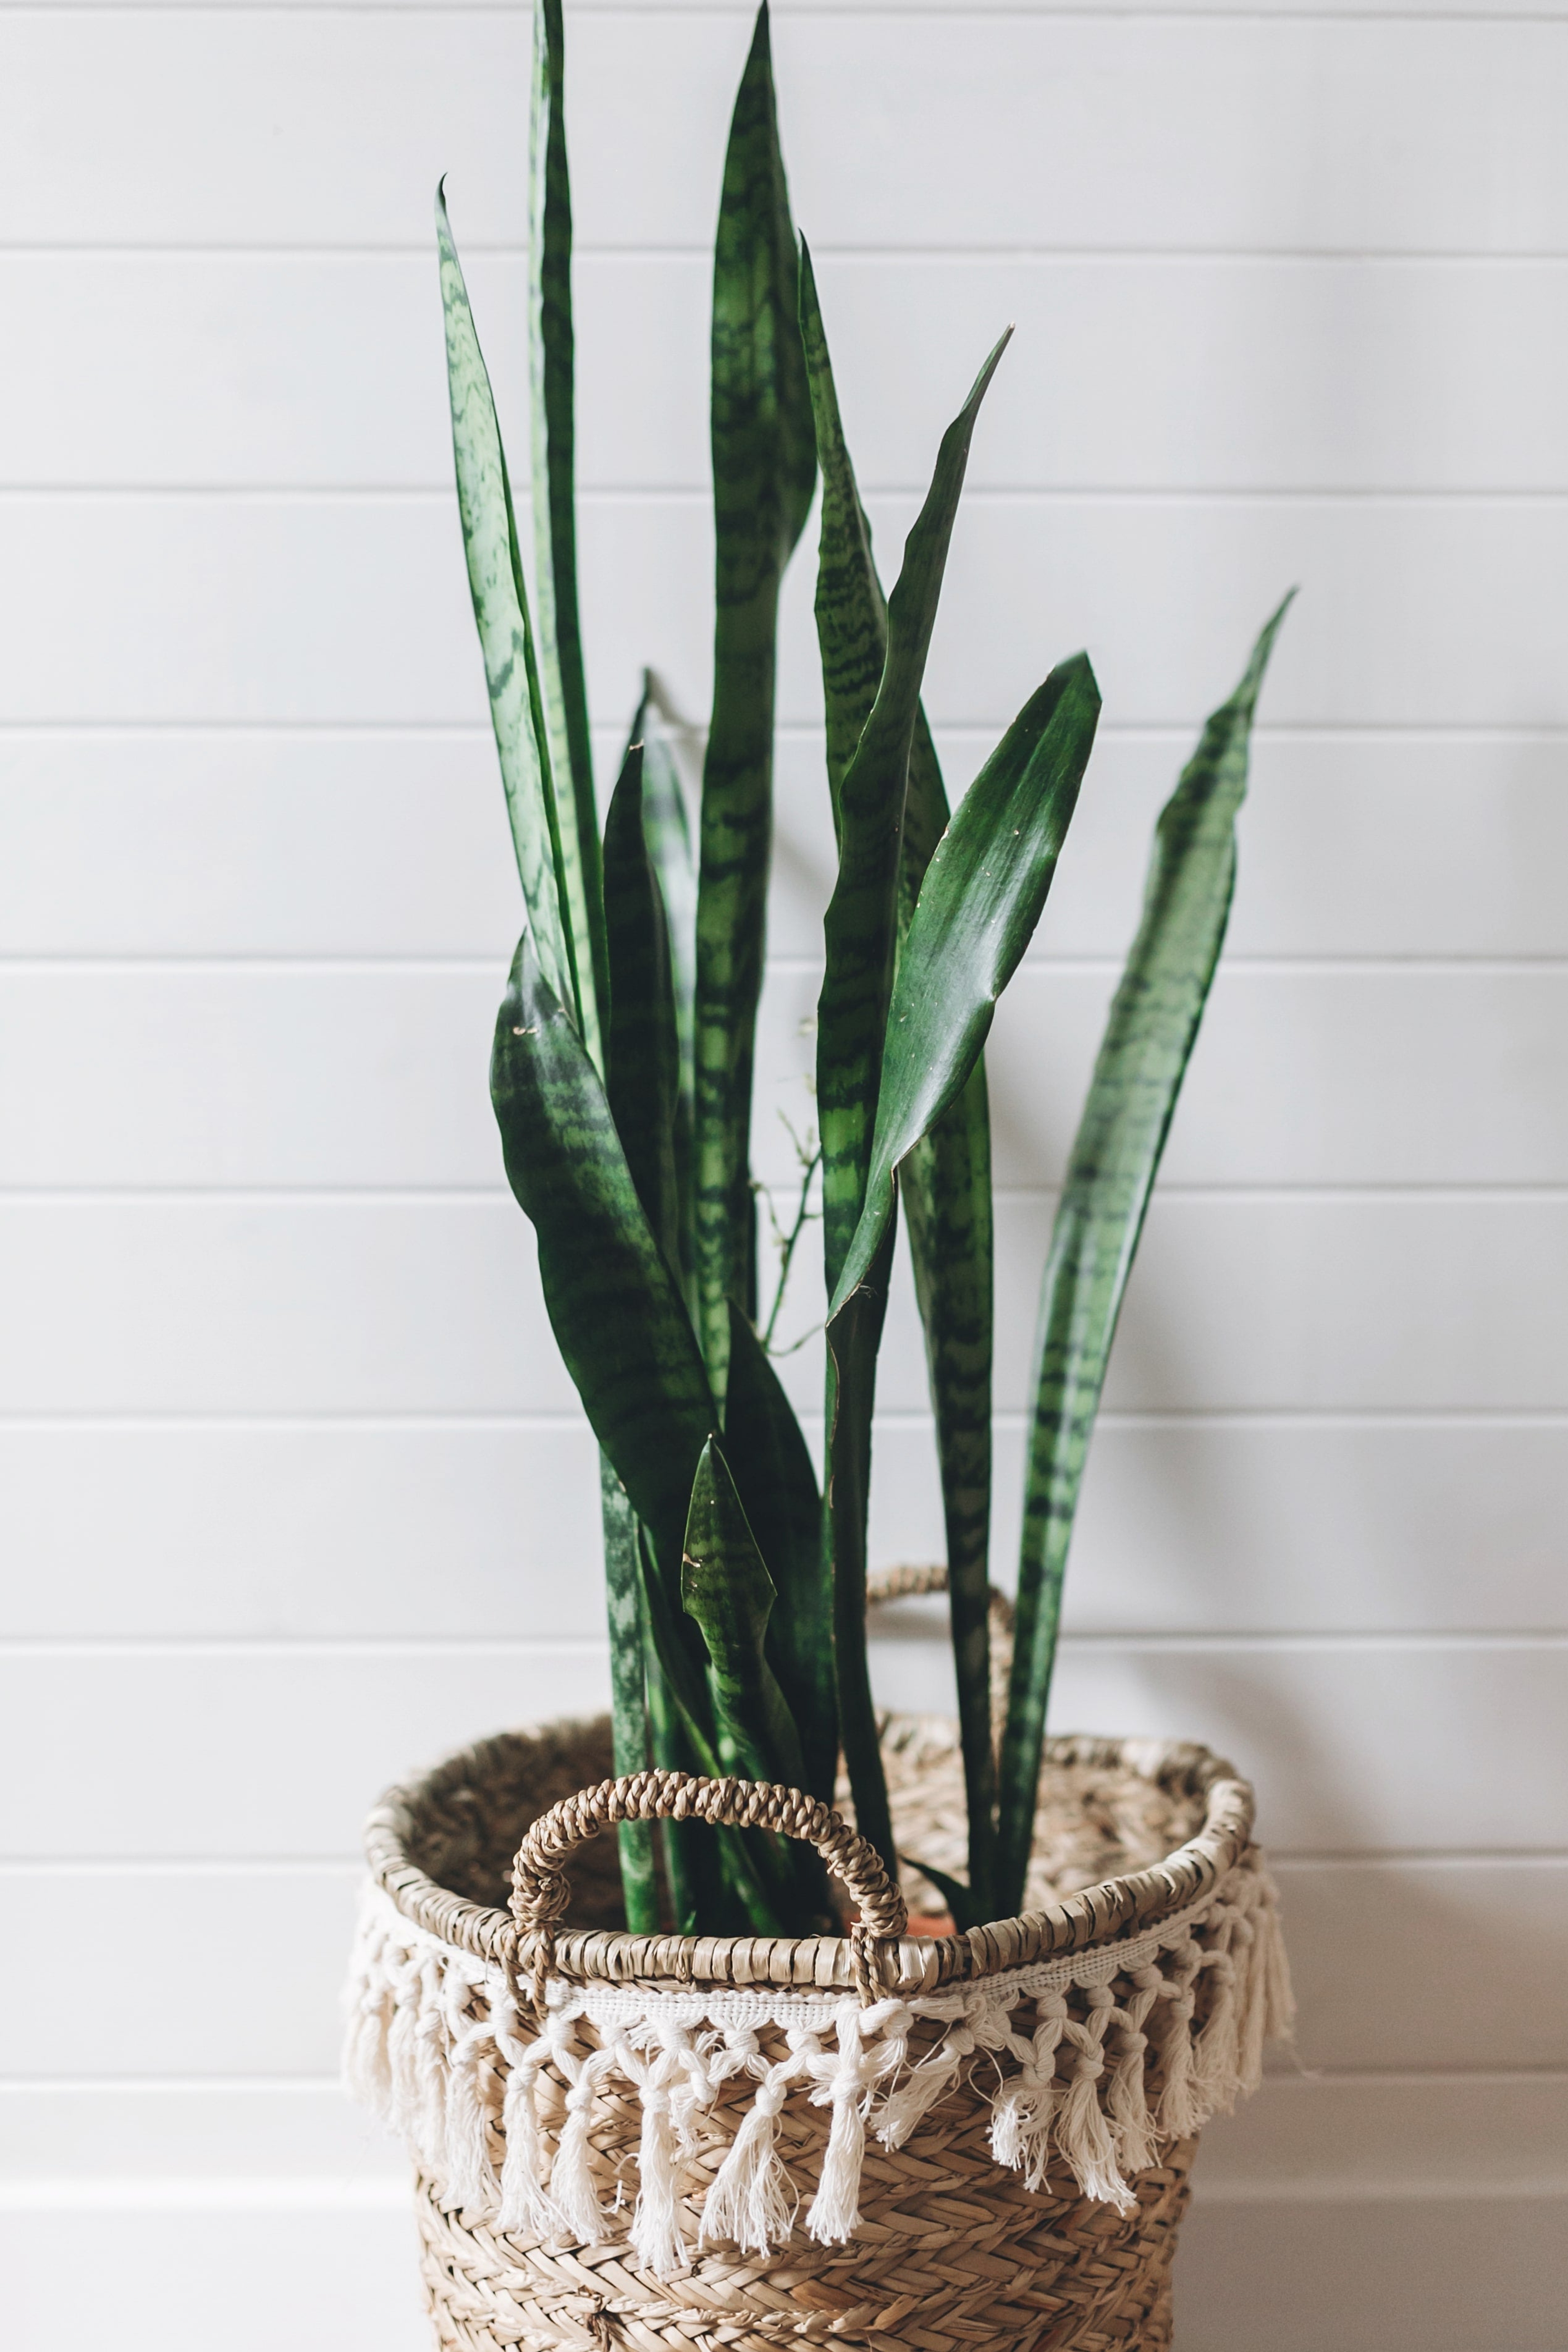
[294, 1494]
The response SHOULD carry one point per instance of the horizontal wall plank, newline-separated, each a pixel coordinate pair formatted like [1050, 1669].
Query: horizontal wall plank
[329, 127]
[1374, 2274]
[329, 2280]
[1440, 2132]
[1163, 373]
[354, 610]
[1427, 1966]
[354, 1305]
[387, 845]
[330, 1530]
[289, 1077]
[287, 2127]
[200, 1752]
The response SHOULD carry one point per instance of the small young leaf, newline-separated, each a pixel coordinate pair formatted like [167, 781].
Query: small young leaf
[726, 1589]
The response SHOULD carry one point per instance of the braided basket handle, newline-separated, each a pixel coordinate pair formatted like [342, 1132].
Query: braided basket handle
[540, 1893]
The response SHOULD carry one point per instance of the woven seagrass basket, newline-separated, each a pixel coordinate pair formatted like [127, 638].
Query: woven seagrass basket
[886, 2139]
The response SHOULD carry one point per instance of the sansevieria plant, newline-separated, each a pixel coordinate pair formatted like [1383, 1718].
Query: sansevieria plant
[622, 1064]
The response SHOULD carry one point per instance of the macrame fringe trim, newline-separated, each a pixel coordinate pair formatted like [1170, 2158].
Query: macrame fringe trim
[436, 2045]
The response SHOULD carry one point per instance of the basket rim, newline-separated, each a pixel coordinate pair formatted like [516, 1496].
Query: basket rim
[1116, 1910]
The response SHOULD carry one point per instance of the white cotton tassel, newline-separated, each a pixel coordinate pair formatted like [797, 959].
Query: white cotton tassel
[368, 2072]
[835, 2211]
[471, 2176]
[931, 2081]
[1126, 2107]
[656, 2231]
[1179, 2111]
[1215, 2055]
[750, 2202]
[572, 2190]
[525, 2210]
[1084, 2138]
[1021, 2116]
[403, 2056]
[431, 2063]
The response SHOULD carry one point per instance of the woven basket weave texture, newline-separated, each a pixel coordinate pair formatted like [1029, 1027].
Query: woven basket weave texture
[949, 2248]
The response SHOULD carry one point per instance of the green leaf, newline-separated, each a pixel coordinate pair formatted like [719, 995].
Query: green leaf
[726, 1589]
[618, 1316]
[628, 1696]
[668, 837]
[860, 926]
[643, 1061]
[853, 1339]
[552, 364]
[967, 1911]
[777, 1486]
[501, 610]
[1133, 1096]
[851, 610]
[982, 896]
[946, 1179]
[945, 1187]
[978, 905]
[764, 470]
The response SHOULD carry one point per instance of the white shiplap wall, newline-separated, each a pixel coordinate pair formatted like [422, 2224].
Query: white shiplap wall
[293, 1492]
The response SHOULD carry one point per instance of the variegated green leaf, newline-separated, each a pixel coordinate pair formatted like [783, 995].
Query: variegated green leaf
[982, 896]
[643, 1060]
[860, 926]
[777, 1486]
[628, 1695]
[618, 1316]
[726, 1589]
[668, 834]
[764, 472]
[946, 1180]
[1131, 1099]
[551, 363]
[501, 609]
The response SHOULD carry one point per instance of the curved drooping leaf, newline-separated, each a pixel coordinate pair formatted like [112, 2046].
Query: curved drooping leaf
[618, 1316]
[551, 368]
[982, 896]
[765, 469]
[772, 1472]
[506, 637]
[643, 1055]
[629, 1693]
[726, 1589]
[946, 1179]
[1131, 1099]
[860, 925]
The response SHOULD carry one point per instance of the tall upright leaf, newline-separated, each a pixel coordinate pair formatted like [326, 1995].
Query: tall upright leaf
[629, 1691]
[643, 1060]
[506, 637]
[946, 1180]
[777, 1486]
[860, 927]
[552, 364]
[618, 1315]
[764, 470]
[668, 833]
[1133, 1096]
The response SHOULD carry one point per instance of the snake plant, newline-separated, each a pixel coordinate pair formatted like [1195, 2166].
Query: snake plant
[622, 1071]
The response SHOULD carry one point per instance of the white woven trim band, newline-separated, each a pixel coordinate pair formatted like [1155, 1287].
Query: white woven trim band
[436, 2043]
